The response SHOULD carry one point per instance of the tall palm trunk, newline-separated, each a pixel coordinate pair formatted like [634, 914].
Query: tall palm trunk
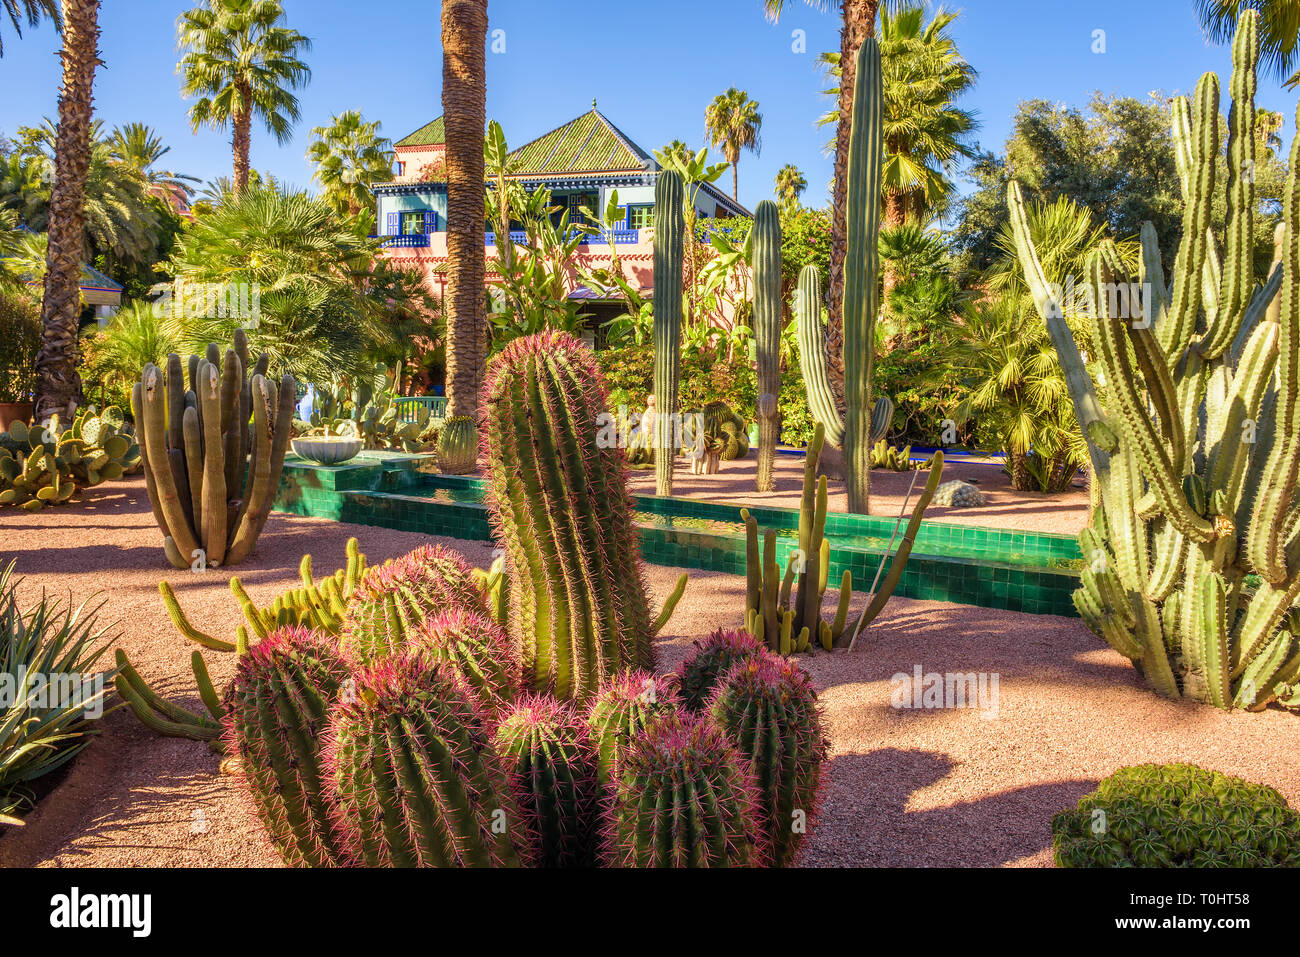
[859, 23]
[735, 178]
[464, 104]
[58, 386]
[242, 139]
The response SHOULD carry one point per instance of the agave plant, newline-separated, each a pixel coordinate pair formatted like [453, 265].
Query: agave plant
[50, 691]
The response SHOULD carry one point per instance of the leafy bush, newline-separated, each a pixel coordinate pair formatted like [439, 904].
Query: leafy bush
[20, 341]
[50, 646]
[705, 378]
[1177, 815]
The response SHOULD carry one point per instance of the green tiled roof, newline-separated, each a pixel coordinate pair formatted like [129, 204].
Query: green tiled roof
[431, 134]
[589, 144]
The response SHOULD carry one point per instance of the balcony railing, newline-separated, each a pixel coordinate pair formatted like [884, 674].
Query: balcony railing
[409, 240]
[621, 237]
[516, 236]
[408, 407]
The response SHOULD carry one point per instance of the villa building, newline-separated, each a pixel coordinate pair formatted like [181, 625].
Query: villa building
[581, 163]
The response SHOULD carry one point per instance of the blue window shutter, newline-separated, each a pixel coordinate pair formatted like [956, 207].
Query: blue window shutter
[626, 213]
[393, 224]
[430, 221]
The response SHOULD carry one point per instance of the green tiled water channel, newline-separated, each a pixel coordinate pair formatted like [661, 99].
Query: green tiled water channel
[1020, 571]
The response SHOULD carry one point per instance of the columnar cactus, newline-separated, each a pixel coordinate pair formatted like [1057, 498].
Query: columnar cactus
[561, 510]
[415, 782]
[683, 797]
[668, 252]
[209, 497]
[812, 359]
[276, 718]
[475, 647]
[789, 620]
[392, 600]
[1194, 452]
[713, 658]
[458, 446]
[768, 707]
[555, 764]
[766, 264]
[626, 705]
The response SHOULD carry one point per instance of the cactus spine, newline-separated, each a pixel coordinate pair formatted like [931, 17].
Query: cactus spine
[768, 707]
[194, 445]
[861, 270]
[1194, 454]
[279, 704]
[561, 510]
[555, 765]
[626, 705]
[475, 648]
[683, 798]
[458, 446]
[415, 780]
[766, 264]
[669, 239]
[712, 659]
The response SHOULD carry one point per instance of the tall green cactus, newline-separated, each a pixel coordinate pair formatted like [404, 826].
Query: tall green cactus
[812, 359]
[415, 780]
[275, 722]
[195, 443]
[1193, 443]
[561, 510]
[669, 239]
[861, 270]
[766, 264]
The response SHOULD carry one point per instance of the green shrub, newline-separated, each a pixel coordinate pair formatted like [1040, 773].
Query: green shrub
[1177, 815]
[20, 341]
[629, 374]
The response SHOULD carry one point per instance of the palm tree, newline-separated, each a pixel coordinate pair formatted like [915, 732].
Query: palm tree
[1279, 31]
[733, 122]
[678, 151]
[58, 387]
[1268, 124]
[138, 147]
[242, 62]
[350, 157]
[464, 104]
[859, 22]
[30, 10]
[790, 185]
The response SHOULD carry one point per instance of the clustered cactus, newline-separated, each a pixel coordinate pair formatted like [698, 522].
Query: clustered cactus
[42, 465]
[1193, 554]
[411, 729]
[1177, 815]
[789, 619]
[211, 478]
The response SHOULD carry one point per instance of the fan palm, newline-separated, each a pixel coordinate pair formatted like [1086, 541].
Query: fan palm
[242, 62]
[350, 157]
[464, 104]
[732, 121]
[31, 11]
[1279, 31]
[790, 184]
[139, 148]
[135, 337]
[58, 387]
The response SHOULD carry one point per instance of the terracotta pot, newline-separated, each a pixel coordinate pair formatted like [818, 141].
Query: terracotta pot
[14, 412]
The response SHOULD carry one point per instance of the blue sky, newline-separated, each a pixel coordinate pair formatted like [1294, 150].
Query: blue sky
[653, 66]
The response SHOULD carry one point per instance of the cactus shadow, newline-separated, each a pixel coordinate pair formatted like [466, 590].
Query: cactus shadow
[866, 819]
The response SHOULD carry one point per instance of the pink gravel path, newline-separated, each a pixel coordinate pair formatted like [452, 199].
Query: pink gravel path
[904, 787]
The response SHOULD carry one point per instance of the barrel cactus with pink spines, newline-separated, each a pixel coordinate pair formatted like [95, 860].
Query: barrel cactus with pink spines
[627, 703]
[560, 507]
[476, 647]
[714, 656]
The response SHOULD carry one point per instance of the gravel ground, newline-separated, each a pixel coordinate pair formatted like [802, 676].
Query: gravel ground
[906, 787]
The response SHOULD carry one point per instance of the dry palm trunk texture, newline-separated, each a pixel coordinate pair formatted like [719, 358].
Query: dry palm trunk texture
[58, 386]
[464, 103]
[859, 23]
[241, 140]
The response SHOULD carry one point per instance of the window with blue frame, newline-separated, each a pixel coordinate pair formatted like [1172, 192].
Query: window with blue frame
[640, 217]
[417, 222]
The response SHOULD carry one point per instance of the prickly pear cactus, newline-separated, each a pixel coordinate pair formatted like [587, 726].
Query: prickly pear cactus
[1193, 556]
[46, 465]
